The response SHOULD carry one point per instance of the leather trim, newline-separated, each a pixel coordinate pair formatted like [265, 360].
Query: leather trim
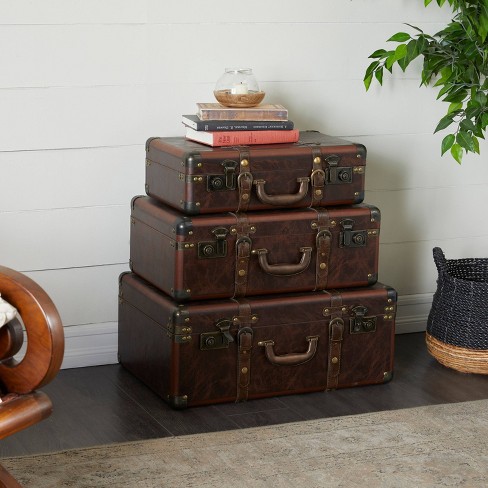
[244, 340]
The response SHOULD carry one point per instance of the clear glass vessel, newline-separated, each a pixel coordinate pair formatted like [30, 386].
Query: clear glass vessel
[237, 87]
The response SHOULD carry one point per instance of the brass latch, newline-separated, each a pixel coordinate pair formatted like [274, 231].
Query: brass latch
[336, 174]
[227, 181]
[219, 339]
[360, 324]
[352, 238]
[214, 249]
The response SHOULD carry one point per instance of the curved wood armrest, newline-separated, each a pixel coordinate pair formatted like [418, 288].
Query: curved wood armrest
[22, 411]
[45, 335]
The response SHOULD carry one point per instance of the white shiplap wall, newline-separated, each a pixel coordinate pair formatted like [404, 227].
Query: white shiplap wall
[84, 84]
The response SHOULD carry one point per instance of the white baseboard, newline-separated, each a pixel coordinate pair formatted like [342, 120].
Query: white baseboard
[96, 344]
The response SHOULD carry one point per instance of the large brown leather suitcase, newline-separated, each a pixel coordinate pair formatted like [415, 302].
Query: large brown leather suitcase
[242, 254]
[232, 350]
[318, 170]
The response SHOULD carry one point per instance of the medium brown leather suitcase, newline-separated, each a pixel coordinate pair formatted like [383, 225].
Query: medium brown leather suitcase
[232, 350]
[318, 170]
[242, 254]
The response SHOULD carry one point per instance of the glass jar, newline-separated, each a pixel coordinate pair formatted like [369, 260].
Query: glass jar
[238, 87]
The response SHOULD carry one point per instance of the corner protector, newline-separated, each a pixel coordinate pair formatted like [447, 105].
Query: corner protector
[177, 402]
[387, 376]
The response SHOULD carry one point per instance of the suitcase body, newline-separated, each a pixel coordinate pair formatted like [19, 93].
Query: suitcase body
[319, 170]
[238, 349]
[242, 254]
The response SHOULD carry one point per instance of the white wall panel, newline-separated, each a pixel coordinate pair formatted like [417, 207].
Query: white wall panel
[215, 11]
[64, 238]
[60, 55]
[35, 180]
[83, 295]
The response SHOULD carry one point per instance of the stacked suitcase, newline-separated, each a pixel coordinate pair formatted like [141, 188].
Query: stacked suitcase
[254, 273]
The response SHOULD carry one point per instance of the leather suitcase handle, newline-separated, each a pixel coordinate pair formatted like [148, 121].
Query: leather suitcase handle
[290, 359]
[282, 200]
[284, 269]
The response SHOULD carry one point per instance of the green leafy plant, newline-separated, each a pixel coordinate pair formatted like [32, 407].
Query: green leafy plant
[454, 59]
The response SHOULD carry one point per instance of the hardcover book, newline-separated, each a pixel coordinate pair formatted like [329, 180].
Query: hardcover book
[242, 138]
[215, 111]
[196, 123]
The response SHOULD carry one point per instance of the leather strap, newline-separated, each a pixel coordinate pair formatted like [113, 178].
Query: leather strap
[244, 180]
[243, 254]
[336, 333]
[317, 178]
[244, 319]
[323, 245]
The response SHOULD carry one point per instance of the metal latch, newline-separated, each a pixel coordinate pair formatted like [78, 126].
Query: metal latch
[214, 249]
[219, 339]
[227, 181]
[360, 324]
[352, 238]
[337, 175]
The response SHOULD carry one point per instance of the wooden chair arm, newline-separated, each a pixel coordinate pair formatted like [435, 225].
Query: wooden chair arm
[22, 411]
[45, 335]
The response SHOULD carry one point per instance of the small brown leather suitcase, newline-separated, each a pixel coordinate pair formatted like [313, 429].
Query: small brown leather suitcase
[232, 350]
[318, 170]
[241, 254]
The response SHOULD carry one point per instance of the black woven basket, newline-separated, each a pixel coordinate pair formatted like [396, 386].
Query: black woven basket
[459, 313]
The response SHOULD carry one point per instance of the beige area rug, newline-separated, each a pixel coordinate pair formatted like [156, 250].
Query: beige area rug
[434, 446]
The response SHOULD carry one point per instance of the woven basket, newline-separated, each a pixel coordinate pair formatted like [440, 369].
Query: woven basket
[457, 327]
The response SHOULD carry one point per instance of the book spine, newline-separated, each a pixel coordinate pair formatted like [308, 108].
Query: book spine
[215, 125]
[248, 138]
[229, 114]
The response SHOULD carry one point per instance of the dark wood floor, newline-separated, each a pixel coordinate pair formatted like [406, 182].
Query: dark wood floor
[106, 404]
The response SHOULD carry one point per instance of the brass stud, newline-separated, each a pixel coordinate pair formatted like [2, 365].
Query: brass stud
[233, 230]
[245, 196]
[188, 290]
[344, 309]
[244, 370]
[358, 156]
[318, 192]
[333, 222]
[322, 266]
[372, 220]
[316, 160]
[314, 225]
[187, 319]
[235, 320]
[199, 165]
[326, 311]
[253, 228]
[190, 232]
[244, 162]
[197, 204]
[356, 193]
[389, 300]
[370, 275]
[254, 318]
[242, 272]
[334, 360]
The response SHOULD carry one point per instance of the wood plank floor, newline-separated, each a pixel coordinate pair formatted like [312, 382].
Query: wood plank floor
[106, 404]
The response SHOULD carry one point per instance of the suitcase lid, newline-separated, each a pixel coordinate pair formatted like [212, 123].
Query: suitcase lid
[181, 154]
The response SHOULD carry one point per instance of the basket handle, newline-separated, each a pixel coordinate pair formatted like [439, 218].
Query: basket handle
[440, 260]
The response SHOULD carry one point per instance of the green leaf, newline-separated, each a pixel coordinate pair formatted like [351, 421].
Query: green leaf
[476, 145]
[467, 124]
[445, 122]
[379, 75]
[371, 68]
[400, 52]
[426, 2]
[454, 107]
[465, 140]
[457, 153]
[457, 96]
[447, 143]
[367, 81]
[414, 27]
[400, 37]
[380, 53]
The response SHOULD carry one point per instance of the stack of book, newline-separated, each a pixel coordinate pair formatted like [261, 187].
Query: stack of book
[216, 125]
